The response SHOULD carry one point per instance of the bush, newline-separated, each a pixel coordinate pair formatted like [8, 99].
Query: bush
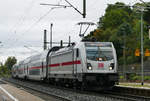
[130, 60]
[121, 77]
[131, 76]
[136, 78]
[146, 78]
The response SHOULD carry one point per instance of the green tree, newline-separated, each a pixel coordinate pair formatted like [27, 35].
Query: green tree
[147, 15]
[115, 15]
[10, 62]
[119, 20]
[3, 70]
[147, 12]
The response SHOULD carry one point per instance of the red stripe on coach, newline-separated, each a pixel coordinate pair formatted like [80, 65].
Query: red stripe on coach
[54, 65]
[36, 67]
[71, 63]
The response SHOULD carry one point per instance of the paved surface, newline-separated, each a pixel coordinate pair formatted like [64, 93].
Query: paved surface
[11, 93]
[4, 96]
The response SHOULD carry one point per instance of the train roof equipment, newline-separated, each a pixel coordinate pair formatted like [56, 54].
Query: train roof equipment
[81, 25]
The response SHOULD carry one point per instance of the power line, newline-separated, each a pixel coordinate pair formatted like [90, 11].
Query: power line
[76, 8]
[22, 17]
[71, 5]
[20, 22]
[57, 5]
[33, 25]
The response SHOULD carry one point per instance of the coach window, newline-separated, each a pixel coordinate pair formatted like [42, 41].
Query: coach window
[27, 69]
[24, 69]
[42, 66]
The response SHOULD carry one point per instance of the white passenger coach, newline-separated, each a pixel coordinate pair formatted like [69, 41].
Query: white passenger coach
[86, 64]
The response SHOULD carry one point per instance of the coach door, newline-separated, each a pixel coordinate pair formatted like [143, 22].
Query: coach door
[42, 72]
[75, 56]
[27, 70]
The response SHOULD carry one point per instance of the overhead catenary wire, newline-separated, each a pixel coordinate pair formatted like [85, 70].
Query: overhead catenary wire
[17, 39]
[42, 17]
[33, 25]
[73, 7]
[13, 29]
[17, 24]
[57, 5]
[21, 19]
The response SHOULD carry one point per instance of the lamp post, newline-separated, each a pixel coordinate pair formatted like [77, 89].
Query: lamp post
[124, 53]
[51, 39]
[142, 69]
[149, 31]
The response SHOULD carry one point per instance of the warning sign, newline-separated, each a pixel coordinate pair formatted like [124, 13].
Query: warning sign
[147, 52]
[137, 52]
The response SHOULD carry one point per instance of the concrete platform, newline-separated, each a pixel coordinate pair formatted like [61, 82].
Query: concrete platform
[11, 93]
[134, 85]
[4, 96]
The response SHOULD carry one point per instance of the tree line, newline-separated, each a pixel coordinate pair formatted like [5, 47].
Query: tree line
[5, 69]
[121, 24]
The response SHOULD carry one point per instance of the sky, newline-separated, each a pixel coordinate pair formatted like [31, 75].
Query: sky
[22, 23]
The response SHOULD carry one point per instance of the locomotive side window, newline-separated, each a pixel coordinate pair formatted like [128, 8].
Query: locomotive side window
[97, 53]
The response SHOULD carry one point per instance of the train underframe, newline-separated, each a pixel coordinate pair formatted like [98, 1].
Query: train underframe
[88, 81]
[91, 81]
[100, 81]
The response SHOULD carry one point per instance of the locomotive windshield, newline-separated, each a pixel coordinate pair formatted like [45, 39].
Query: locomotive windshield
[97, 53]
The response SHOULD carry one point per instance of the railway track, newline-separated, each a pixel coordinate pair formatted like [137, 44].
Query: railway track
[67, 94]
[126, 97]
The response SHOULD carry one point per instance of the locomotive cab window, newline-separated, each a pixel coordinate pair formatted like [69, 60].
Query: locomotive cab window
[97, 53]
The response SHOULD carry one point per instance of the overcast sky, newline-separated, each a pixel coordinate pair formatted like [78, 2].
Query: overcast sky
[22, 23]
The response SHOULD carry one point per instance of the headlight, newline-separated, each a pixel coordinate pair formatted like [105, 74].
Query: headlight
[89, 66]
[111, 67]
